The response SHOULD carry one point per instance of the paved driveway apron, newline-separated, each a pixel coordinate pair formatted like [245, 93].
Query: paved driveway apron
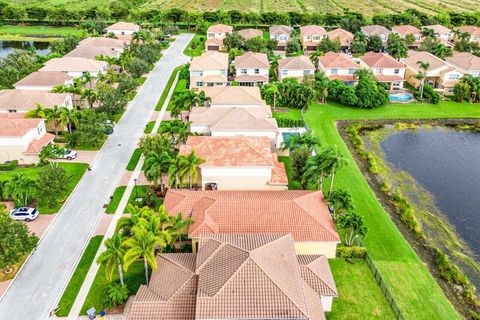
[41, 281]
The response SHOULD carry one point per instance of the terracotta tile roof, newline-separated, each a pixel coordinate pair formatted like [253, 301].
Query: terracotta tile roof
[296, 63]
[280, 30]
[40, 78]
[250, 33]
[279, 174]
[375, 30]
[314, 304]
[36, 146]
[465, 60]
[252, 60]
[437, 28]
[312, 31]
[92, 52]
[102, 42]
[251, 78]
[234, 95]
[316, 272]
[304, 214]
[472, 30]
[17, 127]
[388, 78]
[337, 61]
[230, 151]
[404, 30]
[220, 28]
[214, 41]
[124, 26]
[345, 37]
[380, 60]
[342, 77]
[214, 78]
[74, 64]
[416, 56]
[25, 100]
[210, 60]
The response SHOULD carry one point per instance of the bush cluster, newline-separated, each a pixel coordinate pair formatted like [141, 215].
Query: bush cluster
[9, 166]
[351, 252]
[289, 123]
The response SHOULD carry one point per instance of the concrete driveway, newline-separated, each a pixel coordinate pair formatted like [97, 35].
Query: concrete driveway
[39, 285]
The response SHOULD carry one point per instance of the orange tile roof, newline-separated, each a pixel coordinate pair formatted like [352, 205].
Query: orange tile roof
[92, 52]
[250, 33]
[437, 28]
[234, 95]
[17, 127]
[279, 174]
[102, 42]
[388, 78]
[337, 61]
[121, 25]
[380, 60]
[220, 28]
[232, 119]
[74, 64]
[24, 100]
[210, 60]
[404, 30]
[316, 272]
[296, 63]
[312, 30]
[280, 30]
[472, 30]
[252, 60]
[416, 56]
[375, 30]
[465, 60]
[345, 37]
[36, 146]
[214, 41]
[40, 78]
[304, 214]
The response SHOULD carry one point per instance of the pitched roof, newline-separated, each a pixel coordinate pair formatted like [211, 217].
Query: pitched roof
[37, 145]
[245, 119]
[279, 30]
[40, 78]
[437, 28]
[123, 26]
[404, 30]
[220, 28]
[472, 30]
[296, 63]
[380, 60]
[214, 41]
[304, 214]
[210, 60]
[337, 60]
[345, 37]
[465, 60]
[312, 30]
[102, 42]
[252, 60]
[92, 52]
[316, 272]
[250, 33]
[74, 64]
[17, 127]
[416, 56]
[375, 30]
[234, 95]
[24, 100]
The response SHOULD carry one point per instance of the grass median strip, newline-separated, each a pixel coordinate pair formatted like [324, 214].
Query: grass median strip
[164, 95]
[149, 127]
[115, 201]
[134, 159]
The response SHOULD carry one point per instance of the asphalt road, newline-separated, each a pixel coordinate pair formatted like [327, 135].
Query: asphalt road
[40, 283]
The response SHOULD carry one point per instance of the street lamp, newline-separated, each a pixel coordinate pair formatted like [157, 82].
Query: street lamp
[136, 194]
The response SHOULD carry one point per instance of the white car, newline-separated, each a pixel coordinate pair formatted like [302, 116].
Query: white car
[67, 154]
[24, 214]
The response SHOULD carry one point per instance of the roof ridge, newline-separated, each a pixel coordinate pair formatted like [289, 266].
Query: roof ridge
[205, 213]
[319, 276]
[254, 149]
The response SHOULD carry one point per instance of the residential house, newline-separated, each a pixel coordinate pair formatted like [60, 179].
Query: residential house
[385, 68]
[440, 32]
[248, 34]
[295, 67]
[208, 70]
[234, 97]
[103, 42]
[215, 35]
[405, 30]
[22, 139]
[242, 276]
[93, 52]
[281, 34]
[338, 66]
[440, 75]
[311, 36]
[236, 163]
[376, 30]
[472, 31]
[303, 214]
[75, 67]
[465, 62]
[43, 81]
[343, 36]
[252, 69]
[13, 100]
[123, 28]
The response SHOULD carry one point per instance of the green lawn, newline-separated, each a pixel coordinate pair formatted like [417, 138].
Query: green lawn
[74, 170]
[359, 294]
[140, 192]
[134, 159]
[149, 127]
[196, 46]
[164, 95]
[117, 196]
[19, 32]
[181, 86]
[292, 183]
[100, 145]
[134, 277]
[411, 284]
[73, 287]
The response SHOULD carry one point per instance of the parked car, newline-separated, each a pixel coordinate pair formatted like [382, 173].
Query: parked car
[24, 214]
[67, 154]
[110, 123]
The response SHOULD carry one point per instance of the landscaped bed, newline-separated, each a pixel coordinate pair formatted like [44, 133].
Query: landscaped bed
[196, 47]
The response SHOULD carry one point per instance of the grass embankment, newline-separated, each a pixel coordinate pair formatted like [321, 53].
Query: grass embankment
[164, 95]
[196, 47]
[36, 33]
[74, 170]
[116, 198]
[411, 284]
[73, 287]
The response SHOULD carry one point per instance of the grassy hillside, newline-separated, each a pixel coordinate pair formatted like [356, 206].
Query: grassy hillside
[366, 7]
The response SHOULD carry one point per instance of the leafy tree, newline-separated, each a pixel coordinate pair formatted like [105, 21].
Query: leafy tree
[50, 151]
[369, 93]
[435, 47]
[353, 225]
[328, 45]
[257, 44]
[90, 130]
[64, 45]
[299, 161]
[38, 112]
[293, 46]
[20, 188]
[137, 67]
[156, 143]
[359, 43]
[69, 116]
[156, 166]
[126, 84]
[348, 96]
[53, 116]
[110, 100]
[189, 167]
[409, 39]
[396, 47]
[115, 294]
[340, 200]
[462, 91]
[16, 240]
[321, 86]
[307, 140]
[112, 257]
[430, 94]
[335, 89]
[294, 94]
[233, 40]
[17, 65]
[50, 185]
[374, 43]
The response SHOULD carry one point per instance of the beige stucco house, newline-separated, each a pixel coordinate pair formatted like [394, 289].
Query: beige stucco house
[472, 31]
[405, 30]
[75, 67]
[281, 34]
[311, 36]
[209, 70]
[295, 67]
[215, 35]
[343, 36]
[385, 68]
[123, 28]
[13, 100]
[338, 66]
[252, 69]
[43, 81]
[465, 62]
[376, 30]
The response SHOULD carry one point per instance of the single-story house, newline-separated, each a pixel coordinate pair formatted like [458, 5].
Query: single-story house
[209, 70]
[75, 67]
[43, 81]
[13, 100]
[465, 62]
[252, 69]
[385, 68]
[338, 66]
[123, 28]
[295, 67]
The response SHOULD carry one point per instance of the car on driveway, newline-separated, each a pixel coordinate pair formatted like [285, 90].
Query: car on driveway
[24, 214]
[67, 154]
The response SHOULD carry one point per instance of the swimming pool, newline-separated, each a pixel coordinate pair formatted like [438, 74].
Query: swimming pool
[287, 135]
[401, 97]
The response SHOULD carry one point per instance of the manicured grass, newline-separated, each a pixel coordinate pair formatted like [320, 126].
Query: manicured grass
[292, 183]
[74, 170]
[140, 192]
[149, 127]
[134, 159]
[164, 95]
[39, 31]
[134, 277]
[73, 287]
[359, 294]
[100, 145]
[411, 284]
[294, 114]
[181, 86]
[117, 196]
[196, 47]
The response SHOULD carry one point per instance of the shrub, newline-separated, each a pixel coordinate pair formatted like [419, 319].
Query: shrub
[448, 271]
[351, 252]
[114, 295]
[289, 123]
[9, 166]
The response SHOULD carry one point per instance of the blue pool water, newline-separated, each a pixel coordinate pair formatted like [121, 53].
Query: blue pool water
[401, 97]
[286, 135]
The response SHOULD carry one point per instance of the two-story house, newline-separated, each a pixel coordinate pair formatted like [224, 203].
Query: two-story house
[376, 30]
[407, 30]
[311, 36]
[440, 75]
[385, 68]
[43, 81]
[215, 35]
[13, 100]
[248, 34]
[75, 67]
[22, 139]
[209, 70]
[245, 97]
[472, 31]
[442, 34]
[295, 67]
[343, 36]
[252, 69]
[465, 62]
[338, 66]
[104, 42]
[281, 34]
[123, 28]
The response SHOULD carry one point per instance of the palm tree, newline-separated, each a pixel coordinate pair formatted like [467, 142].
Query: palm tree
[340, 201]
[273, 90]
[20, 187]
[189, 167]
[125, 224]
[314, 57]
[315, 171]
[174, 172]
[156, 165]
[38, 112]
[142, 246]
[90, 96]
[321, 86]
[69, 116]
[87, 78]
[113, 257]
[353, 225]
[333, 160]
[422, 75]
[53, 116]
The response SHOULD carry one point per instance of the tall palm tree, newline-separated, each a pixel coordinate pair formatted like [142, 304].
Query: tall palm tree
[90, 96]
[422, 75]
[69, 116]
[321, 86]
[273, 90]
[174, 172]
[38, 112]
[20, 187]
[156, 165]
[333, 160]
[113, 257]
[315, 171]
[141, 246]
[87, 78]
[125, 224]
[189, 167]
[314, 56]
[341, 201]
[53, 116]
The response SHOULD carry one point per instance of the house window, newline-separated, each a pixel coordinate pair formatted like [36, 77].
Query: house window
[12, 111]
[211, 35]
[222, 71]
[316, 37]
[284, 72]
[197, 73]
[475, 73]
[334, 71]
[257, 71]
[396, 71]
[199, 84]
[283, 38]
[453, 76]
[243, 71]
[351, 71]
[306, 72]
[379, 71]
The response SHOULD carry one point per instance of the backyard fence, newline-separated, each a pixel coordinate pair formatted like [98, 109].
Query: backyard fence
[382, 284]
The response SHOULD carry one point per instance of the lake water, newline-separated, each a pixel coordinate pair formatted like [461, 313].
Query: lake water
[6, 47]
[447, 163]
